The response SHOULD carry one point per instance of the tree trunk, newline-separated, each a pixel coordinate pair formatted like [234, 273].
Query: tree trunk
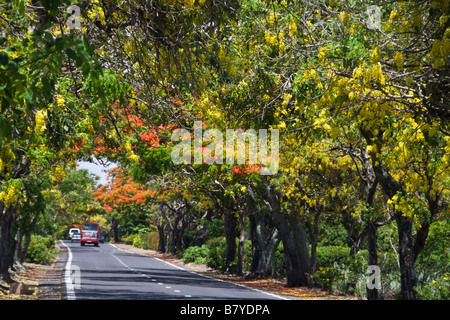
[23, 250]
[241, 244]
[265, 241]
[160, 225]
[392, 187]
[177, 233]
[372, 294]
[408, 279]
[115, 228]
[230, 223]
[264, 245]
[7, 242]
[295, 242]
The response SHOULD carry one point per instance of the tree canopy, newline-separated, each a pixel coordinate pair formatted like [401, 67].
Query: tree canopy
[357, 93]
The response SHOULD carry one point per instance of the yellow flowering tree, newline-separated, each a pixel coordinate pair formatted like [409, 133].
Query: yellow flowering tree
[41, 66]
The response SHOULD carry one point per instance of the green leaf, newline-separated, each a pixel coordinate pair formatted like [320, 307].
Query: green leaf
[5, 128]
[71, 54]
[4, 58]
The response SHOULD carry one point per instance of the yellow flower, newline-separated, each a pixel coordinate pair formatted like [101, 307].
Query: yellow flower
[344, 17]
[394, 14]
[443, 21]
[60, 100]
[40, 121]
[321, 55]
[189, 3]
[374, 55]
[292, 28]
[398, 60]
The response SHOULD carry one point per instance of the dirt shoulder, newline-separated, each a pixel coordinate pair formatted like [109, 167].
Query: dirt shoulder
[276, 286]
[36, 281]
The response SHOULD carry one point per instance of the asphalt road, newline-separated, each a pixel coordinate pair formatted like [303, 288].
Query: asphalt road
[107, 272]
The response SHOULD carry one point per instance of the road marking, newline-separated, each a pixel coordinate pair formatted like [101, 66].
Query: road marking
[221, 280]
[67, 275]
[205, 276]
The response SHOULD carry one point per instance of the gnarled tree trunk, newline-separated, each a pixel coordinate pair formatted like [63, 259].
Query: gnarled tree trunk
[265, 241]
[295, 242]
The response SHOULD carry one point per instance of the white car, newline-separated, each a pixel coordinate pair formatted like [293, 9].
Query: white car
[74, 234]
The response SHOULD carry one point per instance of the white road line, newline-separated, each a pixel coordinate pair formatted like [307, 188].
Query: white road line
[206, 276]
[67, 275]
[236, 284]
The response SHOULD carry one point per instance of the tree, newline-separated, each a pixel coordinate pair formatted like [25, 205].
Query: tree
[41, 67]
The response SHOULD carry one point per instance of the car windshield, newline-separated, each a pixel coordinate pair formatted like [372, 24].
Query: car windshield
[90, 226]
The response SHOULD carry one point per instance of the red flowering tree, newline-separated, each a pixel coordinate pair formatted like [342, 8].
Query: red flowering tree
[127, 203]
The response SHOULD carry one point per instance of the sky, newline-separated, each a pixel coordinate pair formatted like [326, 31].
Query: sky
[96, 169]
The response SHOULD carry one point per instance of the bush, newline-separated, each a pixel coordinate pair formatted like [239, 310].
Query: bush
[327, 276]
[41, 250]
[328, 256]
[438, 289]
[195, 254]
[217, 252]
[148, 240]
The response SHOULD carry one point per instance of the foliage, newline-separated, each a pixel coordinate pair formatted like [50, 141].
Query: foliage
[438, 289]
[327, 276]
[329, 255]
[41, 250]
[216, 255]
[195, 254]
[144, 240]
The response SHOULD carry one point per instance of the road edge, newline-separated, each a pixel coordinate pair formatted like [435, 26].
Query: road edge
[68, 293]
[50, 288]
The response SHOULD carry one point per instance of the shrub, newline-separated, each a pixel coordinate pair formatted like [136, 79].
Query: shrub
[328, 256]
[130, 239]
[147, 240]
[41, 250]
[217, 252]
[150, 240]
[327, 276]
[195, 254]
[438, 289]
